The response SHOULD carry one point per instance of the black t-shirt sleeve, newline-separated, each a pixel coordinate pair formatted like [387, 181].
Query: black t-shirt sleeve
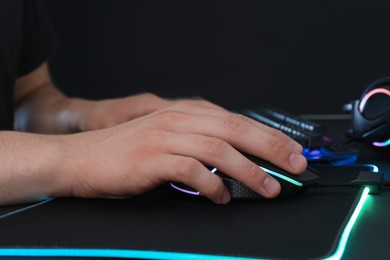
[39, 40]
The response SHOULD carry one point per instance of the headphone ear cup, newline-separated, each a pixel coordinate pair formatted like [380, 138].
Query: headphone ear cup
[371, 116]
[372, 104]
[382, 82]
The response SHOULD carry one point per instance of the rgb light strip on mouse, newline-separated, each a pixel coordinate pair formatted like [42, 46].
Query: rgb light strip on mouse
[281, 176]
[161, 255]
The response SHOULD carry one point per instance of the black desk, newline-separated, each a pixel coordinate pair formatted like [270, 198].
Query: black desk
[206, 228]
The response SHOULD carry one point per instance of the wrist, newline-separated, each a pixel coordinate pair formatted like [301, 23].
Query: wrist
[32, 167]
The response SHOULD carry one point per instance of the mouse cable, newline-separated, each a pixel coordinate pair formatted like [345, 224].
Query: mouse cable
[365, 178]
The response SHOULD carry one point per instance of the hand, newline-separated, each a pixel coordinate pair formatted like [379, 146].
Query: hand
[174, 144]
[93, 115]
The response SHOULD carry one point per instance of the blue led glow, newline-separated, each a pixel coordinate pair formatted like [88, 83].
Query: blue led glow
[374, 168]
[348, 160]
[297, 183]
[113, 253]
[141, 254]
[313, 155]
[315, 152]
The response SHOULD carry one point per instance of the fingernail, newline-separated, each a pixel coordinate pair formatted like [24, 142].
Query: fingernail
[226, 196]
[271, 185]
[295, 146]
[297, 160]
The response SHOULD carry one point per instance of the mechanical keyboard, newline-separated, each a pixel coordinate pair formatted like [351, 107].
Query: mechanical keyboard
[318, 147]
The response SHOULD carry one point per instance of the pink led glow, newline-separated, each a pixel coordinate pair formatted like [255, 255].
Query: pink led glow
[184, 190]
[370, 94]
[382, 144]
[327, 138]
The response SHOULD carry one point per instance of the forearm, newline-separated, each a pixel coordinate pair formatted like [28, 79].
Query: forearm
[30, 168]
[42, 108]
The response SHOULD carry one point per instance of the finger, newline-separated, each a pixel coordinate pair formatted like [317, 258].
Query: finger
[209, 111]
[192, 173]
[219, 154]
[238, 131]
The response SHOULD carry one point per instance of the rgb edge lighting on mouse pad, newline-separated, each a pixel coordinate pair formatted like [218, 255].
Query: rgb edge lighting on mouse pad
[149, 254]
[168, 243]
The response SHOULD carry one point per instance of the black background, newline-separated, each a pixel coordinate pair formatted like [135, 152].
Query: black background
[305, 56]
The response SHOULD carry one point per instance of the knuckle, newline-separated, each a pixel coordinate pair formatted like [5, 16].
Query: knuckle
[277, 147]
[157, 138]
[203, 102]
[169, 117]
[149, 96]
[215, 147]
[186, 167]
[214, 185]
[237, 123]
[276, 133]
[183, 106]
[253, 172]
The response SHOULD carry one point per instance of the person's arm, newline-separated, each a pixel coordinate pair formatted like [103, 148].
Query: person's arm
[173, 143]
[42, 108]
[28, 168]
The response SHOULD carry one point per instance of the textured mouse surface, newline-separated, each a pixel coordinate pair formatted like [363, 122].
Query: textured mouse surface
[304, 226]
[240, 191]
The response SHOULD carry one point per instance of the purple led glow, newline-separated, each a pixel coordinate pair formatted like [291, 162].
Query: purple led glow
[381, 144]
[371, 93]
[314, 154]
[197, 193]
[326, 138]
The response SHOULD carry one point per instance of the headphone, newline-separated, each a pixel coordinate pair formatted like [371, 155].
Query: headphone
[371, 116]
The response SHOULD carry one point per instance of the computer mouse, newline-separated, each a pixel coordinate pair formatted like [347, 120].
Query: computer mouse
[291, 184]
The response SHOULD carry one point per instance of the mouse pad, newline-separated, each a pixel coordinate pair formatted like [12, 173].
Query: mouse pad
[164, 224]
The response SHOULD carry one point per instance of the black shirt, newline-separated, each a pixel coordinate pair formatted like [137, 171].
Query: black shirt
[26, 41]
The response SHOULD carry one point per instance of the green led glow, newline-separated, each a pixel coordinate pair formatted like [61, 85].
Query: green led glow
[347, 230]
[297, 183]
